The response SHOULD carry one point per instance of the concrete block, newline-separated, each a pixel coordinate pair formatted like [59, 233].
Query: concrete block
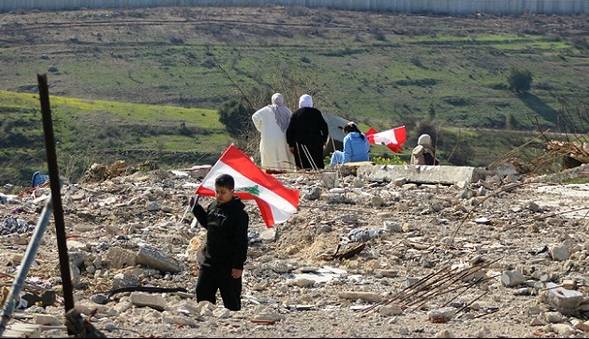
[447, 175]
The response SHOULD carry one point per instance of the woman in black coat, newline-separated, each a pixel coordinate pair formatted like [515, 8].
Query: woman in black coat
[307, 134]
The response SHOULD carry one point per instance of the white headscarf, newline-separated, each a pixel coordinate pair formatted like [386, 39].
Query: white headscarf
[306, 101]
[281, 112]
[425, 140]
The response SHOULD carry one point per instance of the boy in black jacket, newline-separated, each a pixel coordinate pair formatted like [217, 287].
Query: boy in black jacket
[226, 222]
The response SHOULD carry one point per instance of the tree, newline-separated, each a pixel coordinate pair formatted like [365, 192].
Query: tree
[236, 117]
[520, 80]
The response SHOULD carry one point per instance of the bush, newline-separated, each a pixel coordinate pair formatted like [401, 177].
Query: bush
[520, 80]
[236, 117]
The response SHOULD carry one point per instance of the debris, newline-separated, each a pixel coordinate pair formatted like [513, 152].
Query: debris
[441, 315]
[364, 296]
[118, 257]
[512, 278]
[560, 253]
[154, 258]
[140, 299]
[565, 301]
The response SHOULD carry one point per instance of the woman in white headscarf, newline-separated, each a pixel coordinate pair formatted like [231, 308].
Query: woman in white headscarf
[272, 122]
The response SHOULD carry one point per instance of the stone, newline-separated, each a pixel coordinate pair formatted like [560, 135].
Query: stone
[268, 316]
[153, 206]
[268, 235]
[399, 182]
[410, 187]
[553, 317]
[47, 320]
[512, 278]
[181, 320]
[205, 308]
[441, 315]
[582, 326]
[364, 296]
[444, 334]
[538, 321]
[140, 299]
[377, 201]
[569, 284]
[447, 175]
[101, 299]
[152, 257]
[483, 333]
[393, 226]
[302, 282]
[565, 301]
[124, 280]
[222, 313]
[483, 221]
[560, 253]
[118, 257]
[390, 310]
[534, 207]
[313, 193]
[388, 273]
[562, 330]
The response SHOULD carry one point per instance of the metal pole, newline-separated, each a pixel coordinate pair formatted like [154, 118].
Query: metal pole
[25, 265]
[64, 265]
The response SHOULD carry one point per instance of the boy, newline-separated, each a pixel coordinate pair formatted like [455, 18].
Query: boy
[226, 223]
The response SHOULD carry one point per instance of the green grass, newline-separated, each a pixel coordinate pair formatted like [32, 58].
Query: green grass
[380, 70]
[101, 131]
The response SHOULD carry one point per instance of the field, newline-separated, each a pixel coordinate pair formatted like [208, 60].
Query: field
[382, 69]
[95, 131]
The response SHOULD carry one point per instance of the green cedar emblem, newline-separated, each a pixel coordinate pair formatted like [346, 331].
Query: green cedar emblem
[253, 190]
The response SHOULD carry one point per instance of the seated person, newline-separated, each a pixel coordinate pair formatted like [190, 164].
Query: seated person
[424, 153]
[356, 147]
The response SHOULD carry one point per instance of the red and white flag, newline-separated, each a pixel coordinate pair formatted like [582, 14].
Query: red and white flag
[394, 138]
[276, 202]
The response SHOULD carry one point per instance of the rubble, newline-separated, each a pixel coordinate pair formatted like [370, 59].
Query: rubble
[349, 250]
[157, 302]
[565, 301]
[152, 257]
[441, 315]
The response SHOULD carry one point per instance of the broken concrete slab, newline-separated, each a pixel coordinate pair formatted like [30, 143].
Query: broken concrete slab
[157, 302]
[565, 301]
[447, 175]
[118, 257]
[154, 258]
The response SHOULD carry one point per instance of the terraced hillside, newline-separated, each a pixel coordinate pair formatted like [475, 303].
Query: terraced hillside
[101, 131]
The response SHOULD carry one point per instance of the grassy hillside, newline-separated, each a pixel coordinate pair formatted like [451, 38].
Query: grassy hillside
[102, 131]
[391, 68]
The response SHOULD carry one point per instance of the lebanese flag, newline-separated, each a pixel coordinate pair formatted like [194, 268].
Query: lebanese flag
[394, 138]
[276, 202]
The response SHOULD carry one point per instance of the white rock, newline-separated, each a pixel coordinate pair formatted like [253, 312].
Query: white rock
[441, 315]
[390, 310]
[512, 278]
[154, 301]
[560, 253]
[47, 320]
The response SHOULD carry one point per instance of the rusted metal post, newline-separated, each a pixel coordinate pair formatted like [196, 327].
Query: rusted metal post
[64, 264]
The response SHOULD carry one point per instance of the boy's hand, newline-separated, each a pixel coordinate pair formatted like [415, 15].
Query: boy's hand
[236, 273]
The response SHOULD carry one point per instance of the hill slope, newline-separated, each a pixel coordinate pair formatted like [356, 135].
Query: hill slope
[89, 131]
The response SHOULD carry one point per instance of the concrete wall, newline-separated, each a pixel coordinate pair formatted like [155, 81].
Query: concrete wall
[455, 7]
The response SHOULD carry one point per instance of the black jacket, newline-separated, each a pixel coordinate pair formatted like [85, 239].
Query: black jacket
[307, 127]
[227, 239]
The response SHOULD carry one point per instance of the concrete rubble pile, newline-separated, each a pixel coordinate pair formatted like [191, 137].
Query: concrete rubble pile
[125, 231]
